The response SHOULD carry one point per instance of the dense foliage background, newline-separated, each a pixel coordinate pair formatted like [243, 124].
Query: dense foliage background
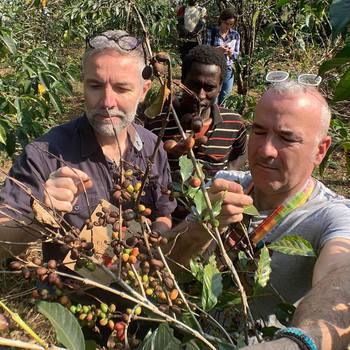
[41, 42]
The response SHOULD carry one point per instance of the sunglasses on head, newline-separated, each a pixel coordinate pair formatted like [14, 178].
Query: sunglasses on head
[125, 42]
[278, 76]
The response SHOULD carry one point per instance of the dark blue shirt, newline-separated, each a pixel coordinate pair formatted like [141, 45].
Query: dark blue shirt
[74, 144]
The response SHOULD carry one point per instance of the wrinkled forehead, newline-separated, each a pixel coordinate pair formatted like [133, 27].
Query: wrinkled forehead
[116, 57]
[300, 93]
[292, 109]
[292, 101]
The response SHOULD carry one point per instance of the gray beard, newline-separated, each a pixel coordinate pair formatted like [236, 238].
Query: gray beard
[109, 129]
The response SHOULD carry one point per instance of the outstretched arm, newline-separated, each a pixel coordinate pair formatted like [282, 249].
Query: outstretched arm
[324, 313]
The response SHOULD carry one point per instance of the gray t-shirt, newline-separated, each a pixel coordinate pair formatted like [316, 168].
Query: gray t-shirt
[324, 216]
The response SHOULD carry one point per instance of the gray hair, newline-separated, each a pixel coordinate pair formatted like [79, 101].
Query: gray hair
[291, 86]
[108, 41]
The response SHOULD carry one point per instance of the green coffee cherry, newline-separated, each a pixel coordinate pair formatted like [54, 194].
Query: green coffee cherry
[138, 311]
[104, 308]
[73, 309]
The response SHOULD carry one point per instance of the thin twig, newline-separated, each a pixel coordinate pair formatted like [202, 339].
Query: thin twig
[179, 290]
[23, 345]
[138, 279]
[16, 318]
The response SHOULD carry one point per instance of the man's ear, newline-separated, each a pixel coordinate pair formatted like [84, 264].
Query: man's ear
[322, 149]
[146, 86]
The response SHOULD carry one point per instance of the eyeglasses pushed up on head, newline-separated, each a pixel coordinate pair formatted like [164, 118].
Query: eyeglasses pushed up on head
[278, 76]
[125, 42]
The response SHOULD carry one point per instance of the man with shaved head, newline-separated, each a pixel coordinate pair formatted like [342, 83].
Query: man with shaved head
[288, 140]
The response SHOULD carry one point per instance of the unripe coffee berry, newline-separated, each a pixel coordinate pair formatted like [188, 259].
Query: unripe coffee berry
[104, 307]
[141, 208]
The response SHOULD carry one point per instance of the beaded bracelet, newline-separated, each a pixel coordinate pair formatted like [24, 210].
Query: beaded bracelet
[297, 335]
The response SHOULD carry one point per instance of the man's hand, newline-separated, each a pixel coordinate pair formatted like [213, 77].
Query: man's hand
[279, 344]
[222, 49]
[234, 200]
[63, 187]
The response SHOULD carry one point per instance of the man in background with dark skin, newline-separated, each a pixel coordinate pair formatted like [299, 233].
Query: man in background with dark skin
[221, 141]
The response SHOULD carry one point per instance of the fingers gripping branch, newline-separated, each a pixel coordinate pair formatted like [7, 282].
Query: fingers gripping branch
[64, 186]
[234, 200]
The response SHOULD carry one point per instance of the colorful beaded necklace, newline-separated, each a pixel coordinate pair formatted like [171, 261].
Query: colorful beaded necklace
[282, 211]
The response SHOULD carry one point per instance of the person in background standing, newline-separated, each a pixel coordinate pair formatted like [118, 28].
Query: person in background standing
[190, 25]
[227, 40]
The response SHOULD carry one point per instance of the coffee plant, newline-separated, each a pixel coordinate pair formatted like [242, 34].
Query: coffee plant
[143, 298]
[119, 245]
[31, 88]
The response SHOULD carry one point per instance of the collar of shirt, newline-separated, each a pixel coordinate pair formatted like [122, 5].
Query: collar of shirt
[215, 114]
[232, 34]
[89, 144]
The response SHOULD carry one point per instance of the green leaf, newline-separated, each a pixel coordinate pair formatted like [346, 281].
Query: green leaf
[346, 147]
[200, 202]
[255, 18]
[186, 167]
[190, 191]
[29, 69]
[342, 91]
[19, 109]
[216, 209]
[339, 14]
[341, 58]
[9, 43]
[243, 259]
[196, 269]
[229, 299]
[187, 319]
[262, 273]
[293, 245]
[251, 210]
[2, 135]
[67, 328]
[44, 80]
[162, 338]
[284, 313]
[61, 86]
[55, 100]
[281, 3]
[212, 285]
[90, 345]
[43, 61]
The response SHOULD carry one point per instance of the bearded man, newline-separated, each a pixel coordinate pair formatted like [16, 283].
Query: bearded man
[91, 148]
